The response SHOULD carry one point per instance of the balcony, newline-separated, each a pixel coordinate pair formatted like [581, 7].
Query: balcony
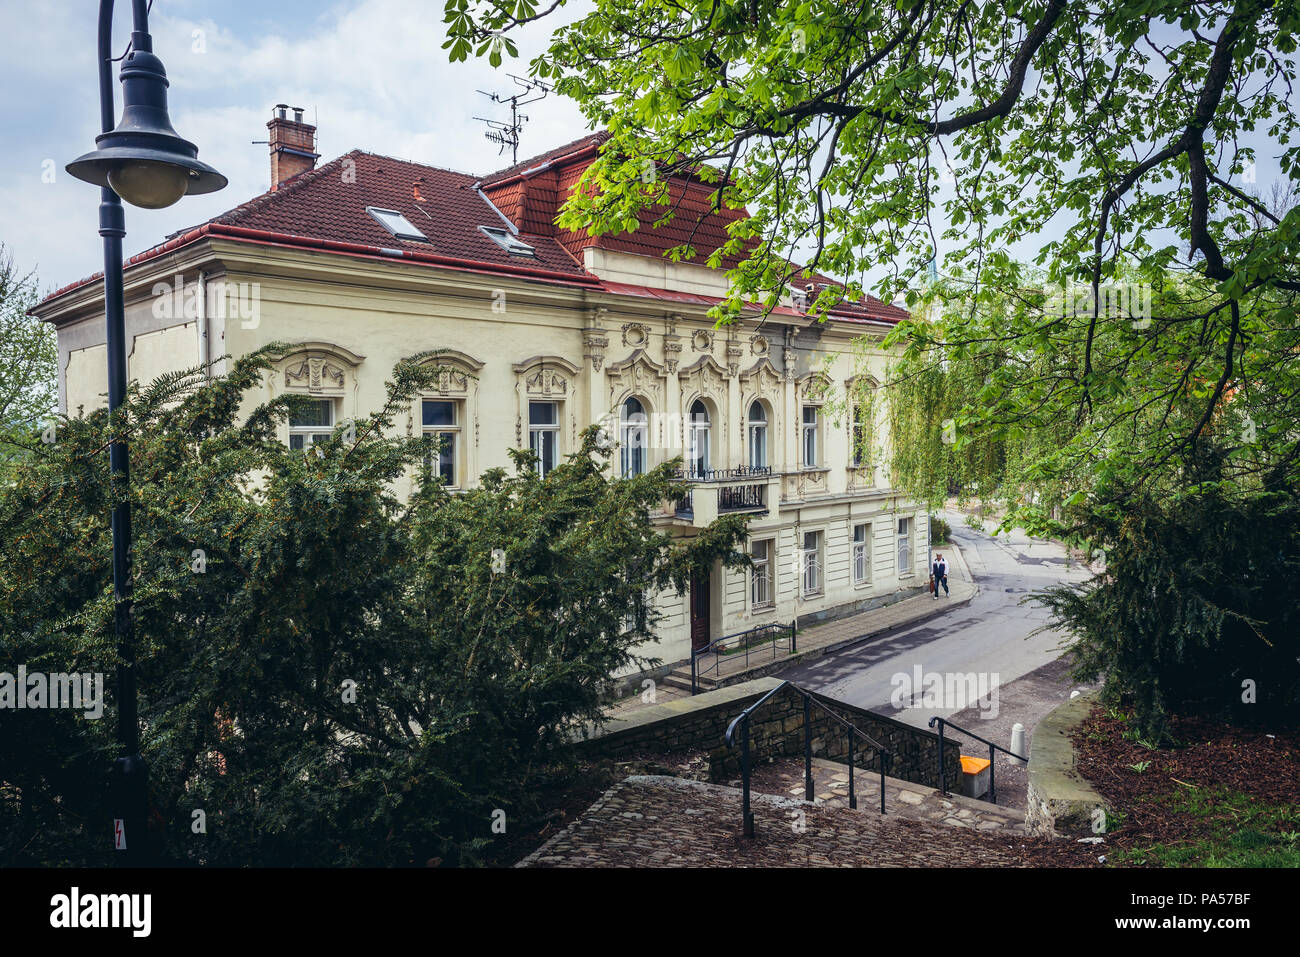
[723, 492]
[761, 472]
[742, 498]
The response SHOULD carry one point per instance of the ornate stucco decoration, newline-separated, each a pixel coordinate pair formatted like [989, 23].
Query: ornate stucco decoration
[594, 339]
[759, 345]
[321, 368]
[788, 356]
[734, 351]
[542, 379]
[457, 378]
[702, 340]
[705, 377]
[638, 374]
[636, 335]
[814, 387]
[672, 342]
[546, 377]
[762, 381]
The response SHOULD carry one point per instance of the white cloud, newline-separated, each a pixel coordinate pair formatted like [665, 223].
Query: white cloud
[372, 74]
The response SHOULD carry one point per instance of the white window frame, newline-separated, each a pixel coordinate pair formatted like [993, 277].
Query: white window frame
[699, 436]
[904, 552]
[509, 242]
[455, 430]
[761, 579]
[396, 223]
[809, 438]
[633, 435]
[861, 558]
[538, 432]
[311, 434]
[758, 435]
[813, 583]
[859, 457]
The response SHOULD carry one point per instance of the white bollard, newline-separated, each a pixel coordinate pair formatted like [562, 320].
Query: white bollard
[1017, 742]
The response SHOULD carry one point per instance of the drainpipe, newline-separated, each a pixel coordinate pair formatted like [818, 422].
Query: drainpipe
[203, 321]
[929, 546]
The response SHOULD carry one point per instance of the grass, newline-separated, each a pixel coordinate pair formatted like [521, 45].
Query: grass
[1234, 829]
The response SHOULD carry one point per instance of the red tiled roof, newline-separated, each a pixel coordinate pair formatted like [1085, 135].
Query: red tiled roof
[868, 308]
[330, 202]
[325, 208]
[579, 146]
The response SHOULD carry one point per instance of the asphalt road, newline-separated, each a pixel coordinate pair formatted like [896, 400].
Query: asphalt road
[989, 638]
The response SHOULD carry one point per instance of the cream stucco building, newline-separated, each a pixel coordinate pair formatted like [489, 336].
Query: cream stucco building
[367, 260]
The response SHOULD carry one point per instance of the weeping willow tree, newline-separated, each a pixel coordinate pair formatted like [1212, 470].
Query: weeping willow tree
[999, 394]
[948, 436]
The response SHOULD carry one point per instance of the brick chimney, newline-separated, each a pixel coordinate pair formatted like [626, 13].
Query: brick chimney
[293, 144]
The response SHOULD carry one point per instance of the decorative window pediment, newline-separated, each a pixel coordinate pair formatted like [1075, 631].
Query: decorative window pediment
[457, 380]
[547, 376]
[320, 368]
[762, 379]
[638, 374]
[544, 379]
[814, 387]
[707, 377]
[457, 371]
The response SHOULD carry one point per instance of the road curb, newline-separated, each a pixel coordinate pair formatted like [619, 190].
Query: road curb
[845, 644]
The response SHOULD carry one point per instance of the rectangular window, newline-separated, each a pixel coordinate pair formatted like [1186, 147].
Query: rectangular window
[904, 546]
[810, 436]
[861, 554]
[313, 424]
[812, 563]
[760, 589]
[439, 420]
[396, 223]
[544, 434]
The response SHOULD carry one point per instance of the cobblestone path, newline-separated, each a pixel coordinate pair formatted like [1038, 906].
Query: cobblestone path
[660, 821]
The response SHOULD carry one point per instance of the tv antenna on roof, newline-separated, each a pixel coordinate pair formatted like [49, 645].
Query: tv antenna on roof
[507, 134]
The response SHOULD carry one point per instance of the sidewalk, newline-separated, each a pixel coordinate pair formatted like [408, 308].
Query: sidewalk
[814, 641]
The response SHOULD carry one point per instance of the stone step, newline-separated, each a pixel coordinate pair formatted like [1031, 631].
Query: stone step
[682, 680]
[903, 799]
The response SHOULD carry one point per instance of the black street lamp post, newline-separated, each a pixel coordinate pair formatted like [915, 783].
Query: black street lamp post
[144, 161]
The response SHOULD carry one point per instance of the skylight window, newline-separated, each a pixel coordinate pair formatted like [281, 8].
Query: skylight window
[397, 224]
[508, 241]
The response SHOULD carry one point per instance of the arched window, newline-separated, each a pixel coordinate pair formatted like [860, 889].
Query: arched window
[757, 436]
[697, 440]
[632, 438]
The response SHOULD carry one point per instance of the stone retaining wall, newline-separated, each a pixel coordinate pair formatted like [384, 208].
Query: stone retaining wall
[776, 729]
[1060, 803]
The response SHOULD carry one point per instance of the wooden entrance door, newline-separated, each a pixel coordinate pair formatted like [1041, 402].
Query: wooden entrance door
[699, 611]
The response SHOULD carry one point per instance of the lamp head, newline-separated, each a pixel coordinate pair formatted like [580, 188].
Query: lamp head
[144, 160]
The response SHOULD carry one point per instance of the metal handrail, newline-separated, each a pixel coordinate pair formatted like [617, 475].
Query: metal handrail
[715, 646]
[737, 474]
[993, 778]
[809, 699]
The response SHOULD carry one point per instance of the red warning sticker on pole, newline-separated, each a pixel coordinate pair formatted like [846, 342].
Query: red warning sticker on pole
[119, 834]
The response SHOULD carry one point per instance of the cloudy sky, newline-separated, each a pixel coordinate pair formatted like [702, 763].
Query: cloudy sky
[372, 73]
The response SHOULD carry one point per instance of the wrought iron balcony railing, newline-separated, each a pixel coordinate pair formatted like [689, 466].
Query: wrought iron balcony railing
[724, 475]
[741, 498]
